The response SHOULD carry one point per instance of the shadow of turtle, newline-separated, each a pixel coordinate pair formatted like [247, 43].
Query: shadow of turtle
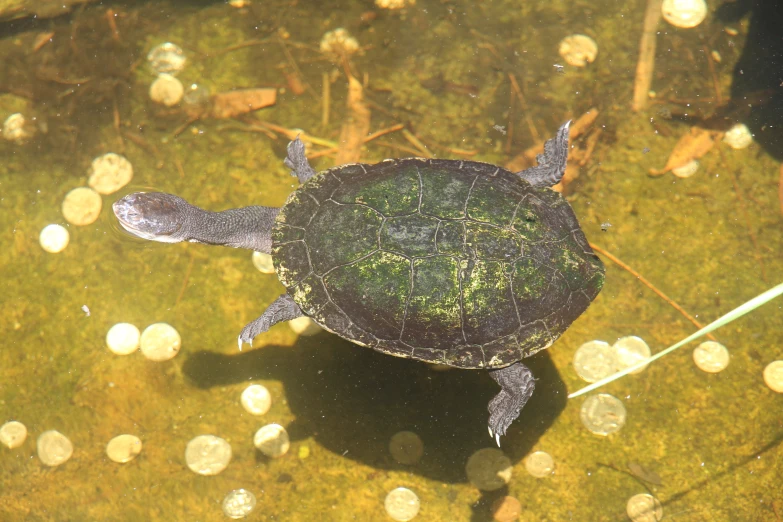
[758, 74]
[352, 400]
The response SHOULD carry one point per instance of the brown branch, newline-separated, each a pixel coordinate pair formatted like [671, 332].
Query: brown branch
[374, 135]
[649, 285]
[646, 64]
[780, 188]
[525, 108]
[715, 81]
[185, 280]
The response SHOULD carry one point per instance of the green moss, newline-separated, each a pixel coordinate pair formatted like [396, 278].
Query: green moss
[373, 291]
[394, 191]
[339, 234]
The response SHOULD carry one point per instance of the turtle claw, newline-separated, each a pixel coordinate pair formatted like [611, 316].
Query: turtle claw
[496, 435]
[241, 342]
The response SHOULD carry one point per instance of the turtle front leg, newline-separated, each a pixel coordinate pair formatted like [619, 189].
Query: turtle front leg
[283, 309]
[297, 161]
[516, 387]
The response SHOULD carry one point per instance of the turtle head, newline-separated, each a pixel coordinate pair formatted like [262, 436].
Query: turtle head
[154, 216]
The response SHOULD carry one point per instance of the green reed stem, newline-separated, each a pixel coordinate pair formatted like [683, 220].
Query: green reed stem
[738, 312]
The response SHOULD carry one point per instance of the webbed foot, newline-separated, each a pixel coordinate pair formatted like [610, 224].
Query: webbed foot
[283, 309]
[517, 384]
[552, 163]
[297, 161]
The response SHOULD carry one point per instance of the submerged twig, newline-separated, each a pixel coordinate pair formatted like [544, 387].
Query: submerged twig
[646, 64]
[649, 285]
[525, 108]
[185, 280]
[356, 125]
[326, 94]
[374, 135]
[780, 188]
[416, 142]
[715, 80]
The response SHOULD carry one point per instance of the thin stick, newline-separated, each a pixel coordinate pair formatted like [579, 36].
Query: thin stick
[420, 147]
[370, 137]
[185, 281]
[525, 109]
[190, 121]
[292, 134]
[293, 64]
[510, 133]
[403, 148]
[780, 188]
[715, 82]
[246, 43]
[649, 285]
[326, 94]
[646, 64]
[387, 130]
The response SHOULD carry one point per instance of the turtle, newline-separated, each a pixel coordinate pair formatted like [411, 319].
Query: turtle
[460, 263]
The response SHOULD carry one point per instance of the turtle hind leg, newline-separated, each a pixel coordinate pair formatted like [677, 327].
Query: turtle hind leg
[297, 161]
[516, 387]
[552, 163]
[282, 309]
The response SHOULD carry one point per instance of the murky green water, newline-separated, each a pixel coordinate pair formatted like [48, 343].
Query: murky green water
[445, 69]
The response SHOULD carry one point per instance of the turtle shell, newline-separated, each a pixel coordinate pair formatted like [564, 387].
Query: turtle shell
[453, 262]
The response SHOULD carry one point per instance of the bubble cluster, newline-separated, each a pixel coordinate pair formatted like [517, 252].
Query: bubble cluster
[338, 44]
